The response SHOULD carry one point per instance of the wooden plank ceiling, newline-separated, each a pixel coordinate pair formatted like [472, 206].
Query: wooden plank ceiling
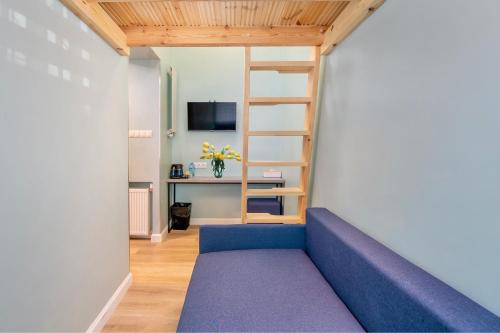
[223, 23]
[224, 13]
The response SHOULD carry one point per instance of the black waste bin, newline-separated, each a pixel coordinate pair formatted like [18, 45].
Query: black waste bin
[181, 214]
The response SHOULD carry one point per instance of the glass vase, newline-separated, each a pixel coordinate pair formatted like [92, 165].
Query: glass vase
[218, 168]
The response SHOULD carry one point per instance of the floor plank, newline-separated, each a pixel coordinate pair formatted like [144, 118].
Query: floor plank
[161, 274]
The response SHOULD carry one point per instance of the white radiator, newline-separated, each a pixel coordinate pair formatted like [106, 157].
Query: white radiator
[139, 211]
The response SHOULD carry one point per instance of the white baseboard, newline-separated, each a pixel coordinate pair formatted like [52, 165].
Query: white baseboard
[202, 221]
[158, 238]
[110, 306]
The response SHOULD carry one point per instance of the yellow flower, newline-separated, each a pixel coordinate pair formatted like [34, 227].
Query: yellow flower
[211, 155]
[202, 157]
[222, 156]
[227, 147]
[230, 156]
[206, 144]
[205, 150]
[212, 146]
[238, 158]
[237, 154]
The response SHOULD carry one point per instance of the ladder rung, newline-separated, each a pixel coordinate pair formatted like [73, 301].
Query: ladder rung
[277, 163]
[283, 66]
[268, 218]
[278, 100]
[279, 133]
[276, 191]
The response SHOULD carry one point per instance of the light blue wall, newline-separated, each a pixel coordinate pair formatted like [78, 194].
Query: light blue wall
[149, 159]
[205, 74]
[409, 138]
[144, 114]
[63, 169]
[165, 143]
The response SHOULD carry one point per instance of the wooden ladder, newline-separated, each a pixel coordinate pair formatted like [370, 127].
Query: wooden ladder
[311, 68]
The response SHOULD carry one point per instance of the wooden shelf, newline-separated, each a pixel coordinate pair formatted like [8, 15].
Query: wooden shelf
[283, 66]
[268, 218]
[277, 164]
[279, 133]
[276, 191]
[278, 100]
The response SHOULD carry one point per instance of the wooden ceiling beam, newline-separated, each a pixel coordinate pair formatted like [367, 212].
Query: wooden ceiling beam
[224, 36]
[96, 18]
[350, 18]
[95, 1]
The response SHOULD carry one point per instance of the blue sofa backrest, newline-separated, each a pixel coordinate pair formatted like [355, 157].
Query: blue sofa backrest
[384, 291]
[214, 238]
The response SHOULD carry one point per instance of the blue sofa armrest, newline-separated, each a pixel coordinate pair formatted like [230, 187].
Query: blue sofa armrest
[384, 291]
[214, 238]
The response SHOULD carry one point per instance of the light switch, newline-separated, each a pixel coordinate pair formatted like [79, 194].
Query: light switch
[140, 133]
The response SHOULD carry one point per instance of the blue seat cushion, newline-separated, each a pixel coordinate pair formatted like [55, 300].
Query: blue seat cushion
[264, 205]
[262, 290]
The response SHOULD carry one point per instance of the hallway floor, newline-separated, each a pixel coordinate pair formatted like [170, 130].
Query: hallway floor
[161, 274]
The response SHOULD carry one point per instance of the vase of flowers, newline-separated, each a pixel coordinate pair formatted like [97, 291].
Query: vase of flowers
[218, 157]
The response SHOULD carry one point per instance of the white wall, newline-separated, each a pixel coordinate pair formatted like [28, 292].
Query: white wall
[217, 74]
[63, 169]
[409, 138]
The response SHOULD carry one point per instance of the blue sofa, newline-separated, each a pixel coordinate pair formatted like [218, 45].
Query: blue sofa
[325, 276]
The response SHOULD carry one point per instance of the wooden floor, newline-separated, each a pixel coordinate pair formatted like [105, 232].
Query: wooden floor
[161, 274]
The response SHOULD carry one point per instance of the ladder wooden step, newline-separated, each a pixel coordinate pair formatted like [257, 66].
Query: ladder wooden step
[278, 100]
[283, 66]
[268, 218]
[277, 163]
[276, 191]
[279, 133]
[306, 101]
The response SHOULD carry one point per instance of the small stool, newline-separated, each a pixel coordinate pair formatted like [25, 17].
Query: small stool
[264, 205]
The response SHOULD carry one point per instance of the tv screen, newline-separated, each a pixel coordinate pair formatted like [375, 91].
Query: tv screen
[211, 116]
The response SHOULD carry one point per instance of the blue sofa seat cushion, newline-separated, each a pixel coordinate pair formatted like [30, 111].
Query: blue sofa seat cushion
[264, 205]
[261, 290]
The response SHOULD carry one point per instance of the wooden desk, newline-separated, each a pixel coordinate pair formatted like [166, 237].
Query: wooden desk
[172, 183]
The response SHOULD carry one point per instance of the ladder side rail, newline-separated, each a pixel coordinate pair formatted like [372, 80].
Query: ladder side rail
[307, 142]
[245, 127]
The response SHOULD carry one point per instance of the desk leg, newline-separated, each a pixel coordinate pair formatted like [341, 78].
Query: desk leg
[169, 224]
[170, 205]
[174, 193]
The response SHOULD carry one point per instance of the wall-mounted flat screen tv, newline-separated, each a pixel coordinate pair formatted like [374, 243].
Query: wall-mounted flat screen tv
[212, 116]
